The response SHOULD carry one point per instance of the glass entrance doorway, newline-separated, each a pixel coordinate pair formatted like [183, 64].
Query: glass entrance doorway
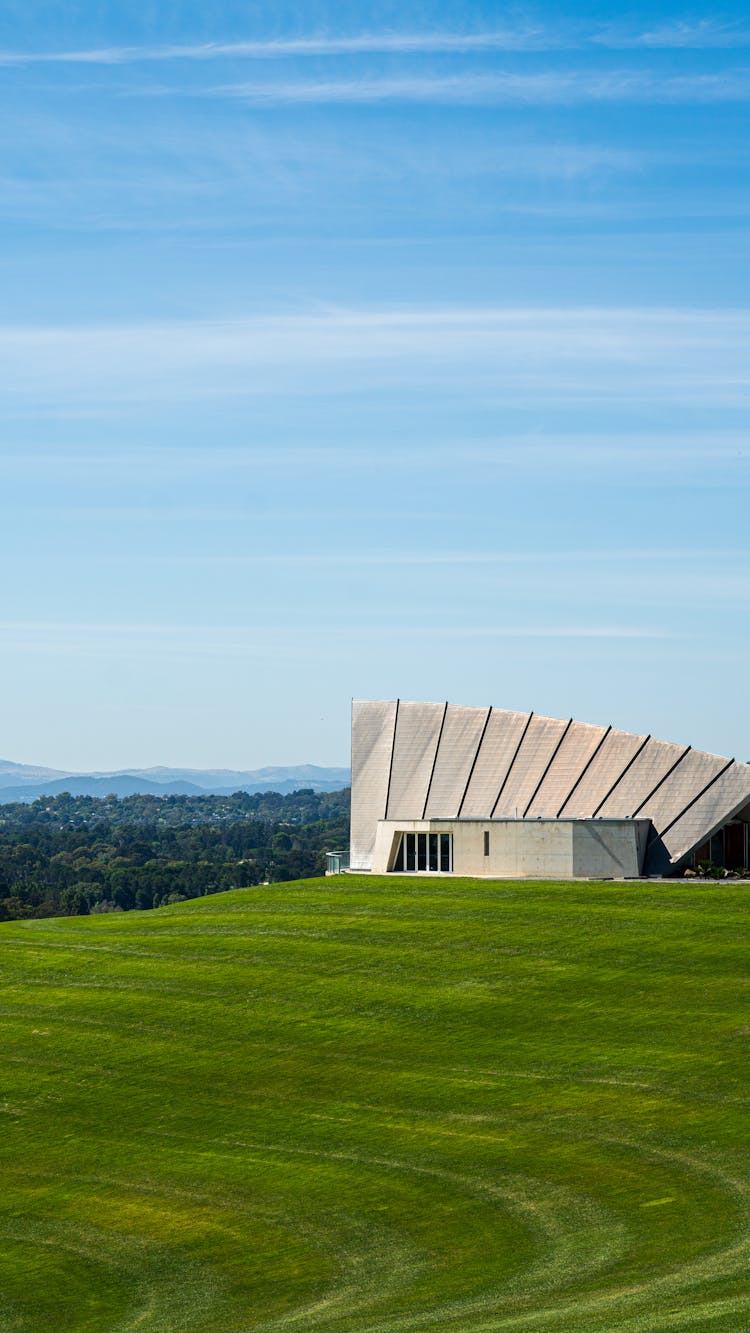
[424, 852]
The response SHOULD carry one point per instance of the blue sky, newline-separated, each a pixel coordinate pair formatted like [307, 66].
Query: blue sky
[370, 350]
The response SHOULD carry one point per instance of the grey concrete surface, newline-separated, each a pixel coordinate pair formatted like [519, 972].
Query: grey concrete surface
[577, 748]
[504, 731]
[542, 737]
[618, 749]
[459, 739]
[647, 769]
[372, 744]
[609, 849]
[417, 733]
[681, 787]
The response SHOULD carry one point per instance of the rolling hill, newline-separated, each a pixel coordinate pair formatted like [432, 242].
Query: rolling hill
[358, 1105]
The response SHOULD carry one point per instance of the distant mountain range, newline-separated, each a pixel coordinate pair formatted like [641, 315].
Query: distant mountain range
[27, 782]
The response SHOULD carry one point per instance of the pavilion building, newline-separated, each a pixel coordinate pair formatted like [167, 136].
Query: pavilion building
[444, 789]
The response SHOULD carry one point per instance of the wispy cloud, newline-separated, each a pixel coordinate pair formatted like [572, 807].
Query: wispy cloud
[588, 353]
[284, 334]
[701, 461]
[686, 451]
[206, 640]
[681, 34]
[704, 34]
[501, 88]
[373, 43]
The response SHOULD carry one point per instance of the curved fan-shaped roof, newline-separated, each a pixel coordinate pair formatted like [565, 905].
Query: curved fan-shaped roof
[444, 761]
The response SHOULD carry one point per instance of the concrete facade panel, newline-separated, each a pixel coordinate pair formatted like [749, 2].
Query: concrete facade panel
[575, 751]
[414, 749]
[648, 768]
[604, 850]
[372, 740]
[723, 800]
[542, 737]
[688, 780]
[504, 731]
[616, 752]
[462, 731]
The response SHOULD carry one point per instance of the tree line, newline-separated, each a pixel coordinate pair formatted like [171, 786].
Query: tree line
[72, 855]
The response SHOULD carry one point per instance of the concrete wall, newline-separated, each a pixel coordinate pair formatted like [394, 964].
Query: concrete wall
[538, 848]
[373, 726]
[603, 848]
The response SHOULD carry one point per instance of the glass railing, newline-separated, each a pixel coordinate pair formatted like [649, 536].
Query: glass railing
[336, 862]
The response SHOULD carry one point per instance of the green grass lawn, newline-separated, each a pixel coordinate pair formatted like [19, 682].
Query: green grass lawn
[380, 1105]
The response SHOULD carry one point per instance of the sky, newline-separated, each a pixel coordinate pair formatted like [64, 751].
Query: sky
[370, 350]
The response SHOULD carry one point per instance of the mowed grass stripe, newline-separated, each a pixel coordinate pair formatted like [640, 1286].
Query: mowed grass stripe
[379, 1105]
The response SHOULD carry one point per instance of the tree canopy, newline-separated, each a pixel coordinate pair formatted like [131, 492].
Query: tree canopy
[68, 855]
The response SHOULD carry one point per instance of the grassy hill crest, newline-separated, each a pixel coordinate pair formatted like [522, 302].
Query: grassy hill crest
[381, 1106]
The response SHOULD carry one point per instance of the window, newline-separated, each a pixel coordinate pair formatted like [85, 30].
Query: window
[421, 851]
[486, 842]
[424, 852]
[446, 852]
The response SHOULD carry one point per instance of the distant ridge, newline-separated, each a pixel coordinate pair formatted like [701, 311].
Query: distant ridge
[10, 772]
[26, 782]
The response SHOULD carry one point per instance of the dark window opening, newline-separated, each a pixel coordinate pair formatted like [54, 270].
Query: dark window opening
[424, 851]
[421, 851]
[445, 852]
[735, 846]
[717, 848]
[730, 847]
[486, 842]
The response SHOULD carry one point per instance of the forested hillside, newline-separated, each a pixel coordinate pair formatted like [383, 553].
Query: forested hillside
[71, 855]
